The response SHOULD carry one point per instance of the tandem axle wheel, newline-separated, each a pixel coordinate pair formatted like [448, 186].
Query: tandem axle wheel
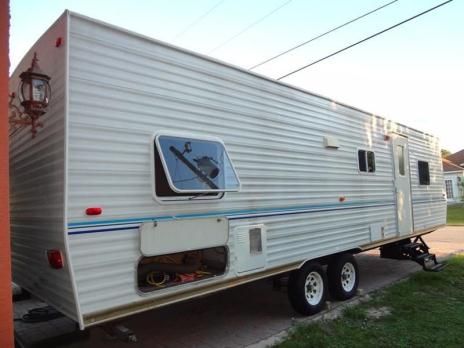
[309, 286]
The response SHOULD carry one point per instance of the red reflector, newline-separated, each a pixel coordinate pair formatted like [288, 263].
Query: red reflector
[59, 42]
[342, 198]
[55, 259]
[93, 211]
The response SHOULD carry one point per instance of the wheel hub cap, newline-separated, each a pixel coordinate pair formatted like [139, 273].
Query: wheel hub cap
[348, 276]
[314, 288]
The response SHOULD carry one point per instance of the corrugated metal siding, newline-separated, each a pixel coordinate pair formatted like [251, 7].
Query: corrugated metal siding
[124, 88]
[37, 185]
[104, 265]
[429, 208]
[294, 238]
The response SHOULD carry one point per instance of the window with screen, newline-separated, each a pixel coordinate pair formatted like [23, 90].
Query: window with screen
[366, 161]
[449, 188]
[424, 174]
[189, 167]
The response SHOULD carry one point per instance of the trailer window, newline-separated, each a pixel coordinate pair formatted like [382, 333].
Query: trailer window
[164, 191]
[400, 156]
[193, 166]
[424, 173]
[366, 161]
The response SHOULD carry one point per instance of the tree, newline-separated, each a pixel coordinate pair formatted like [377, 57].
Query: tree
[445, 153]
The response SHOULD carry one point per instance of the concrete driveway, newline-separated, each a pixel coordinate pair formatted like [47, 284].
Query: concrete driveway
[252, 313]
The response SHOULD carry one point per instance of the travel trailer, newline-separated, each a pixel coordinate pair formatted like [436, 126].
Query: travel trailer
[159, 175]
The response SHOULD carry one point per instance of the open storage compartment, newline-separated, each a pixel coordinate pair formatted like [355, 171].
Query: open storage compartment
[163, 271]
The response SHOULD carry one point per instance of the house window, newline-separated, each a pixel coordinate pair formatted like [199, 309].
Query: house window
[192, 167]
[424, 174]
[449, 188]
[366, 161]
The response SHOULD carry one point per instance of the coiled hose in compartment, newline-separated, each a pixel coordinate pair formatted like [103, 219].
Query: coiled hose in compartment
[161, 269]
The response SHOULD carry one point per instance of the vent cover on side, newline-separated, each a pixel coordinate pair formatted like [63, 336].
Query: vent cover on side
[331, 142]
[256, 241]
[250, 248]
[377, 231]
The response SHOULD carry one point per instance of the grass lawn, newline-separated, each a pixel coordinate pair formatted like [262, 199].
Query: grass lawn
[427, 310]
[455, 214]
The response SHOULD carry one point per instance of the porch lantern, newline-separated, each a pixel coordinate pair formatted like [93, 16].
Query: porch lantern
[34, 96]
[34, 90]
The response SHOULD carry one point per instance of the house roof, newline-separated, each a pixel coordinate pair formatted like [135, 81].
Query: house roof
[449, 166]
[457, 158]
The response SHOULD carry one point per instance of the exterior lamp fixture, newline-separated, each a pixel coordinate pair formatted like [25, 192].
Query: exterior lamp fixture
[34, 96]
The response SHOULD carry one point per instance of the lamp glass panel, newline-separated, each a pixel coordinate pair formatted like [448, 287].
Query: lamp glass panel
[38, 90]
[25, 91]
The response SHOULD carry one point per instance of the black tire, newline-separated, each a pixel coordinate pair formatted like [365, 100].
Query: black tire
[341, 285]
[298, 290]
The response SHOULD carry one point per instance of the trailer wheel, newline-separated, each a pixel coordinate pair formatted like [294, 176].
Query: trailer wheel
[343, 275]
[307, 288]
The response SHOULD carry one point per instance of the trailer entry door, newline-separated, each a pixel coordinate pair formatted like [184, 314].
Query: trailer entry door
[402, 185]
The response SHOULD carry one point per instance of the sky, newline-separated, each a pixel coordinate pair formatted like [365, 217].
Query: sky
[413, 74]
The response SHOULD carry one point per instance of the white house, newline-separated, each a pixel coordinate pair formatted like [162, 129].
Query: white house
[453, 170]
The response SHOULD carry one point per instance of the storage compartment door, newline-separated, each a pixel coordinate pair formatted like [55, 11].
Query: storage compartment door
[250, 248]
[164, 237]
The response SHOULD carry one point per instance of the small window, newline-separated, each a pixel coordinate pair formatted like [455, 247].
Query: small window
[424, 174]
[449, 188]
[400, 156]
[370, 162]
[256, 244]
[187, 167]
[362, 161]
[366, 161]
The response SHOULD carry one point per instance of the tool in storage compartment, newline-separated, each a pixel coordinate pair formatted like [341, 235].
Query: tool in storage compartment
[162, 271]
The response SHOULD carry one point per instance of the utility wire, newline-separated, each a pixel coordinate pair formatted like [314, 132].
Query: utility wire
[363, 40]
[249, 27]
[321, 35]
[198, 20]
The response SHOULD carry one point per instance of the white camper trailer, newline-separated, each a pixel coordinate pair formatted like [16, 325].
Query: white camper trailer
[160, 175]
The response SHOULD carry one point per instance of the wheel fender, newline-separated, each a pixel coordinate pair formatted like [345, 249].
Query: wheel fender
[325, 259]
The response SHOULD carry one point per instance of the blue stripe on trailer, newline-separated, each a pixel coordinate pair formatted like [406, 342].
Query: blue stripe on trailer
[233, 215]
